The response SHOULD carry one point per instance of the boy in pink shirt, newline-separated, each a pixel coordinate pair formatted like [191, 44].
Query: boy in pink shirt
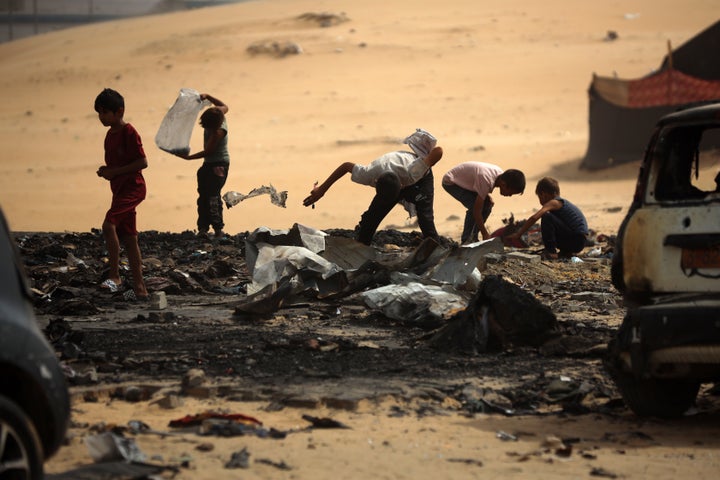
[471, 184]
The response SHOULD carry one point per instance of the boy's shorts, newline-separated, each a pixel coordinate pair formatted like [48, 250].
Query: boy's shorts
[122, 214]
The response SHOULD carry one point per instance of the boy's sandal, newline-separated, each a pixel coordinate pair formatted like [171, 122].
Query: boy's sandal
[109, 285]
[131, 296]
[549, 256]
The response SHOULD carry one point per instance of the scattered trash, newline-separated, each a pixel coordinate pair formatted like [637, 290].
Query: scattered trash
[158, 301]
[601, 472]
[176, 127]
[557, 446]
[467, 461]
[425, 306]
[109, 446]
[226, 425]
[323, 422]
[196, 420]
[232, 198]
[506, 437]
[610, 36]
[324, 19]
[239, 459]
[274, 48]
[278, 465]
[461, 268]
[185, 266]
[228, 428]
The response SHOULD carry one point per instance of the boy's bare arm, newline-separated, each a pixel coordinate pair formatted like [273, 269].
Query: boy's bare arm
[109, 173]
[215, 101]
[433, 157]
[319, 191]
[549, 206]
[479, 220]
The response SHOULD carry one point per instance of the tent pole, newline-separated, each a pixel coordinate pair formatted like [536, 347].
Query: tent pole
[670, 98]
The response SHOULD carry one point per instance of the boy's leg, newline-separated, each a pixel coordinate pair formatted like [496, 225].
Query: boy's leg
[556, 235]
[211, 179]
[421, 194]
[216, 203]
[467, 199]
[132, 248]
[204, 177]
[113, 247]
[125, 229]
[387, 192]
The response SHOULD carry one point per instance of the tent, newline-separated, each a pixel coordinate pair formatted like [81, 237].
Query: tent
[622, 113]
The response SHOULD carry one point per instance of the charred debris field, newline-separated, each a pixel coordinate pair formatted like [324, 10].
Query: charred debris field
[331, 345]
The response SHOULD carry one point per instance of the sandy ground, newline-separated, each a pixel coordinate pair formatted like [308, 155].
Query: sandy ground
[497, 81]
[501, 81]
[380, 445]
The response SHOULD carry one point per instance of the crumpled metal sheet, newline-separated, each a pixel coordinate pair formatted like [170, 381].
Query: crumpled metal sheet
[428, 306]
[461, 268]
[299, 235]
[276, 262]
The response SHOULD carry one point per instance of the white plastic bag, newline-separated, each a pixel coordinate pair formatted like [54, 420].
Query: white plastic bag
[176, 128]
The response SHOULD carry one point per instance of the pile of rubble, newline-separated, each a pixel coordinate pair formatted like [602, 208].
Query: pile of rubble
[283, 310]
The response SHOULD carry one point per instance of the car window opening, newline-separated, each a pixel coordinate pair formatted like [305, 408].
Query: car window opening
[688, 160]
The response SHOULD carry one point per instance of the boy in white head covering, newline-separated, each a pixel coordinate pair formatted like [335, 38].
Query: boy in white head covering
[421, 142]
[398, 177]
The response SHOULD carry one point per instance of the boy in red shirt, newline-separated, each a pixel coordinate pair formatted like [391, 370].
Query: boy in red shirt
[124, 161]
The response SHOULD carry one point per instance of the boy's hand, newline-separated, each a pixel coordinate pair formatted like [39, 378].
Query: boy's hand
[315, 195]
[104, 173]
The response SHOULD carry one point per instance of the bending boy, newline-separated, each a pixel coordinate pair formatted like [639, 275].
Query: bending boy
[471, 183]
[399, 176]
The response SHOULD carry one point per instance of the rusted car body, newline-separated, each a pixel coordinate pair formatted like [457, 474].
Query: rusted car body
[667, 265]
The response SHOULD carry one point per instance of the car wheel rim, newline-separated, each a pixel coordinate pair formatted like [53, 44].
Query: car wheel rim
[13, 456]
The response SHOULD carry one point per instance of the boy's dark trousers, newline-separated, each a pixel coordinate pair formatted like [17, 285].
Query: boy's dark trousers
[556, 235]
[467, 198]
[209, 202]
[387, 194]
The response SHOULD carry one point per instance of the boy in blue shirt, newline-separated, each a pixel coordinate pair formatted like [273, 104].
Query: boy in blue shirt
[563, 227]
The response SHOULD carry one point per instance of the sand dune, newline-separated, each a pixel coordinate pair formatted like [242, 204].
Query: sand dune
[502, 81]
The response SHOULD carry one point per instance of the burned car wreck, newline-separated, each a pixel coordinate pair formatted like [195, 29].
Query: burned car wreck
[34, 399]
[667, 266]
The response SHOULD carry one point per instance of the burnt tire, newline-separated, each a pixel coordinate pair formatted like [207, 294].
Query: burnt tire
[652, 397]
[21, 454]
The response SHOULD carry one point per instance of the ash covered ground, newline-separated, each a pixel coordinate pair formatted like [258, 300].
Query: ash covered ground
[311, 351]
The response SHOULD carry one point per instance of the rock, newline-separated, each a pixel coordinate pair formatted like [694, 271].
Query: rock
[193, 378]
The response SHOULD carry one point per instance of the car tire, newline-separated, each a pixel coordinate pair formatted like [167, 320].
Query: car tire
[21, 454]
[652, 397]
